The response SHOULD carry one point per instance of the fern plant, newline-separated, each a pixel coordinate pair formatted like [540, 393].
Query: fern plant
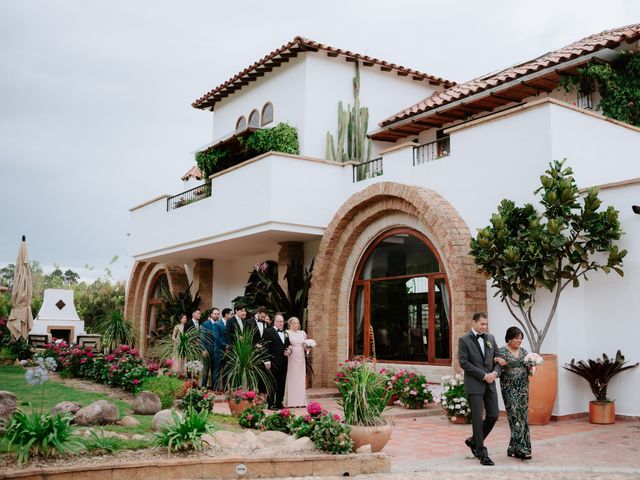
[185, 433]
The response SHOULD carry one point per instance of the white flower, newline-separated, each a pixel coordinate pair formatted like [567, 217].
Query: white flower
[453, 418]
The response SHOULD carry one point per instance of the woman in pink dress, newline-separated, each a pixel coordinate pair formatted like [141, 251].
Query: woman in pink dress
[296, 395]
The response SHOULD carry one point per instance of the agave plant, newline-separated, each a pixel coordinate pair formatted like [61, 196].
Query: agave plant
[243, 364]
[599, 372]
[116, 331]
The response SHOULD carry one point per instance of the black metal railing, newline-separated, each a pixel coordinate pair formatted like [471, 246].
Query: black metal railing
[190, 196]
[431, 151]
[366, 170]
[585, 100]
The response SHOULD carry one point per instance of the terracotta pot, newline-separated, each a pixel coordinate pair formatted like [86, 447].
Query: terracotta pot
[602, 413]
[237, 408]
[458, 420]
[543, 389]
[377, 436]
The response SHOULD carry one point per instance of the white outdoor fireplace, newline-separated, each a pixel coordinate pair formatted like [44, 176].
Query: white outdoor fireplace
[58, 317]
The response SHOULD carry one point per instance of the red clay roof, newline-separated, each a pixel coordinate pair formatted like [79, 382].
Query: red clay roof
[292, 49]
[607, 39]
[193, 172]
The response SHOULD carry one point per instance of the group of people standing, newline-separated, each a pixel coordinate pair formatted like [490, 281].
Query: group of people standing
[483, 362]
[286, 350]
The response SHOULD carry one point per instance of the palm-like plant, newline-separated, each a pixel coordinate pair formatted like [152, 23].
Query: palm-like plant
[364, 394]
[174, 306]
[186, 348]
[185, 433]
[116, 331]
[243, 364]
[599, 372]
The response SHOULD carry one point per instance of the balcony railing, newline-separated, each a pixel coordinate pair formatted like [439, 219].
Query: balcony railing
[431, 151]
[366, 170]
[190, 196]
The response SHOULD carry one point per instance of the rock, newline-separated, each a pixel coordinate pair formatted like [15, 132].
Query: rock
[364, 449]
[64, 407]
[128, 421]
[137, 436]
[251, 441]
[228, 440]
[275, 439]
[147, 403]
[108, 434]
[8, 404]
[209, 441]
[101, 412]
[303, 444]
[177, 404]
[162, 418]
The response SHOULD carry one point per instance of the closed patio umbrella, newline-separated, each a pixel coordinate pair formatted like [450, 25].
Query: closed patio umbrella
[20, 318]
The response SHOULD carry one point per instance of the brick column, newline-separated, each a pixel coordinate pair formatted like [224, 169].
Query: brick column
[288, 251]
[203, 281]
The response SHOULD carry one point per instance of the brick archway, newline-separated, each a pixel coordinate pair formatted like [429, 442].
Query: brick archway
[361, 219]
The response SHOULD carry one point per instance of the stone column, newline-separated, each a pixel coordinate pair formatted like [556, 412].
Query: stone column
[288, 251]
[203, 282]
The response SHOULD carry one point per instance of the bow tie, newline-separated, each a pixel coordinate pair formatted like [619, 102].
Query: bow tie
[279, 331]
[479, 335]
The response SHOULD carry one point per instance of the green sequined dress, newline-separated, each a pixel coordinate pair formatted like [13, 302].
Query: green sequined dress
[514, 383]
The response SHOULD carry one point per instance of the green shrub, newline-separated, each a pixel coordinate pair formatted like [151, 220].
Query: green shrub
[99, 443]
[165, 387]
[38, 434]
[331, 435]
[281, 138]
[185, 433]
[199, 399]
[279, 421]
[252, 417]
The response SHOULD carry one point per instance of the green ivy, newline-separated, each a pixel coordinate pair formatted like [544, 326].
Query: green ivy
[281, 138]
[212, 161]
[618, 84]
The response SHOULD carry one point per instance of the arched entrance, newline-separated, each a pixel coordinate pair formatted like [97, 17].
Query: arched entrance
[362, 220]
[159, 284]
[400, 307]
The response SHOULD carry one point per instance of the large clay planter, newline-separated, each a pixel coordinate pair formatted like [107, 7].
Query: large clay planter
[543, 388]
[237, 408]
[602, 413]
[377, 436]
[459, 420]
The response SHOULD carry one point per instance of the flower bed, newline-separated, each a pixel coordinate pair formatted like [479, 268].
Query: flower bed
[410, 388]
[454, 400]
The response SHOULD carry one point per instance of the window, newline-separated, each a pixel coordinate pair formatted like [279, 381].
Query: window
[267, 113]
[241, 124]
[401, 298]
[254, 119]
[154, 305]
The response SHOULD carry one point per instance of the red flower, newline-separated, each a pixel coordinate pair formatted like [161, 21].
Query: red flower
[314, 408]
[250, 395]
[136, 381]
[336, 417]
[125, 348]
[285, 412]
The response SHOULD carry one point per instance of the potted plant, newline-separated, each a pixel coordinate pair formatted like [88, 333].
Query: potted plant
[524, 252]
[364, 396]
[454, 400]
[244, 371]
[598, 373]
[411, 389]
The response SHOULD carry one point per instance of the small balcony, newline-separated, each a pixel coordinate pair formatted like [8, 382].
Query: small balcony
[431, 151]
[367, 170]
[190, 196]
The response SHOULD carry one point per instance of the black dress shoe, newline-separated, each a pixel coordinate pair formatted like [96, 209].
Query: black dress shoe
[486, 461]
[522, 456]
[472, 446]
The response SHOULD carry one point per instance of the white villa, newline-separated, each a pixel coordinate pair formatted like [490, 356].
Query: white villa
[390, 237]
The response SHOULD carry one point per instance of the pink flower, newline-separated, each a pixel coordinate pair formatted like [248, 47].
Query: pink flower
[136, 381]
[83, 361]
[340, 374]
[110, 358]
[411, 374]
[285, 412]
[153, 367]
[250, 395]
[406, 380]
[168, 363]
[314, 408]
[250, 417]
[76, 351]
[336, 417]
[134, 352]
[307, 418]
[113, 368]
[90, 354]
[125, 348]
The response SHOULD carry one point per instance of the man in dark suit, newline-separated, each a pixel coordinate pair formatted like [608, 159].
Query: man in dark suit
[277, 342]
[259, 320]
[207, 344]
[239, 324]
[194, 322]
[476, 357]
[219, 346]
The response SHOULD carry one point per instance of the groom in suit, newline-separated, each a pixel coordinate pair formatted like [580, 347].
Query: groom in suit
[475, 355]
[277, 342]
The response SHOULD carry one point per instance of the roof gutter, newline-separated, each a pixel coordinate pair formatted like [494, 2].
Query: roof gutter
[603, 54]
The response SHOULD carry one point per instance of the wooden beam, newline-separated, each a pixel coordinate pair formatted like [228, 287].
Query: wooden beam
[332, 54]
[368, 64]
[417, 78]
[474, 108]
[433, 82]
[385, 69]
[401, 73]
[449, 114]
[502, 96]
[537, 88]
[351, 59]
[427, 123]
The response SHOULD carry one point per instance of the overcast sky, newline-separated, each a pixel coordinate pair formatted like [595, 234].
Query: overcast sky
[95, 96]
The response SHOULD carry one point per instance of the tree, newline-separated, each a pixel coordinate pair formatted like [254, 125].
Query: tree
[6, 275]
[524, 251]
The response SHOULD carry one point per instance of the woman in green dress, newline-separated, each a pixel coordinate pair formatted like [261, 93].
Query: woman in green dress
[514, 383]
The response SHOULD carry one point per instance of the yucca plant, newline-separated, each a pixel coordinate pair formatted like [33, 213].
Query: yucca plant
[186, 348]
[599, 372]
[116, 331]
[40, 434]
[243, 365]
[364, 394]
[185, 433]
[102, 443]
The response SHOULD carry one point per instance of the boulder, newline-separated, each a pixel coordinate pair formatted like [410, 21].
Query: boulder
[271, 438]
[162, 418]
[8, 404]
[364, 449]
[128, 422]
[101, 412]
[66, 407]
[251, 441]
[302, 444]
[228, 440]
[147, 403]
[209, 441]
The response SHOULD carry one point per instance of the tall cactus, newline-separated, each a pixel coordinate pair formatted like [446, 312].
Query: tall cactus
[352, 129]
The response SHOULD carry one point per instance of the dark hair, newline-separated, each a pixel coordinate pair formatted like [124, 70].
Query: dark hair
[239, 307]
[513, 332]
[215, 308]
[478, 315]
[195, 310]
[261, 309]
[225, 311]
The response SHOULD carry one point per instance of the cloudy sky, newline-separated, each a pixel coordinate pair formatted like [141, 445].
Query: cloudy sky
[95, 96]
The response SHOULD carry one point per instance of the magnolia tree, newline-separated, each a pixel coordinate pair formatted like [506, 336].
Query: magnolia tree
[524, 251]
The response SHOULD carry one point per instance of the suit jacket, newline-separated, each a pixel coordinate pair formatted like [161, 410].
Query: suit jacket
[189, 325]
[256, 336]
[232, 329]
[276, 348]
[219, 338]
[476, 365]
[207, 336]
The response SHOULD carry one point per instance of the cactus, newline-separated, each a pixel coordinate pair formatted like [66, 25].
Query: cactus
[352, 130]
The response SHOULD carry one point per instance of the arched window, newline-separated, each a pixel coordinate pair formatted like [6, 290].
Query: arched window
[267, 114]
[241, 124]
[400, 296]
[254, 119]
[155, 303]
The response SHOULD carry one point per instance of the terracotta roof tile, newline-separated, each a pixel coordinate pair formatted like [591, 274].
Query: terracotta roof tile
[193, 172]
[291, 49]
[607, 39]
